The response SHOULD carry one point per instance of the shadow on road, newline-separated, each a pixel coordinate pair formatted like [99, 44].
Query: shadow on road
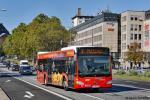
[114, 89]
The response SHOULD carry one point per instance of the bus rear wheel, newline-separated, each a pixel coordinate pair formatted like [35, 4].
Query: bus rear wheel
[45, 80]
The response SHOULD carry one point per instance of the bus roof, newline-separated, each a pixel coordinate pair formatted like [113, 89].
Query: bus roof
[74, 48]
[64, 52]
[42, 52]
[56, 54]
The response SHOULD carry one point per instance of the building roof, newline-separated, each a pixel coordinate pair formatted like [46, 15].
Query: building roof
[82, 17]
[3, 31]
[105, 16]
[132, 11]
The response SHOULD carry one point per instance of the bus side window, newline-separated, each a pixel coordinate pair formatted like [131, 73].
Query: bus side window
[72, 64]
[40, 68]
[66, 67]
[71, 67]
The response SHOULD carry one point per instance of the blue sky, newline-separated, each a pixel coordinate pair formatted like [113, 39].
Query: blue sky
[25, 10]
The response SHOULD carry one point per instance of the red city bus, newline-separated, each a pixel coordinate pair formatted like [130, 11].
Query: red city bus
[76, 67]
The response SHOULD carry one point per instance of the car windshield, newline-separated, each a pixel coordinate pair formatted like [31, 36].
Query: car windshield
[26, 68]
[93, 65]
[25, 63]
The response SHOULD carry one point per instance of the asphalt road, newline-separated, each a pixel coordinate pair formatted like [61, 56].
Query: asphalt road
[18, 86]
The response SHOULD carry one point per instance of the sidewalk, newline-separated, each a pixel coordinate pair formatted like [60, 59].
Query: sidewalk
[3, 96]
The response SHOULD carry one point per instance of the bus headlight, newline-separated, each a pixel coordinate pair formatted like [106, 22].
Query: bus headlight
[109, 82]
[80, 83]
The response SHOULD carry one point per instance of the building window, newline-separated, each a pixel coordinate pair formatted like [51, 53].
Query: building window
[80, 22]
[136, 18]
[123, 28]
[131, 37]
[124, 18]
[136, 26]
[123, 46]
[135, 36]
[139, 36]
[147, 35]
[140, 27]
[124, 37]
[100, 29]
[100, 37]
[95, 39]
[131, 27]
[131, 18]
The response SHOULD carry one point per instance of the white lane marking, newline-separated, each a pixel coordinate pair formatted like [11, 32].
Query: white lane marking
[130, 86]
[131, 81]
[93, 96]
[82, 93]
[7, 81]
[28, 95]
[46, 90]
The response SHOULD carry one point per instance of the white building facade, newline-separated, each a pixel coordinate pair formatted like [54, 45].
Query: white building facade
[146, 39]
[131, 31]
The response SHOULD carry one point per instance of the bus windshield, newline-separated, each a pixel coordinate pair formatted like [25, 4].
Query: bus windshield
[93, 65]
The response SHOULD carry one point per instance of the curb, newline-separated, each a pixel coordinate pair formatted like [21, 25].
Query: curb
[3, 96]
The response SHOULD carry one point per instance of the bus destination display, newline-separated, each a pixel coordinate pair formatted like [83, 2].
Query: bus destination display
[93, 51]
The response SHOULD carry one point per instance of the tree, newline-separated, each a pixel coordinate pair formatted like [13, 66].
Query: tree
[17, 39]
[42, 34]
[7, 46]
[134, 54]
[72, 34]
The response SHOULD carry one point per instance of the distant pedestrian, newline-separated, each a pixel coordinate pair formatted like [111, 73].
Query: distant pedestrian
[8, 65]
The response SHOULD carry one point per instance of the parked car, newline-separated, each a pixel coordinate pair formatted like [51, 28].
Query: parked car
[2, 65]
[25, 69]
[142, 69]
[15, 67]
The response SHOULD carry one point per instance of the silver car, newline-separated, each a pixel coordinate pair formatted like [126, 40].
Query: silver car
[2, 65]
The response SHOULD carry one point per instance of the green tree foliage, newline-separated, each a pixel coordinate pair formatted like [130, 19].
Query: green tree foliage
[7, 46]
[134, 53]
[73, 34]
[42, 34]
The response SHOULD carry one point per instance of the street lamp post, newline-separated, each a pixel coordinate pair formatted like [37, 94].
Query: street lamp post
[3, 10]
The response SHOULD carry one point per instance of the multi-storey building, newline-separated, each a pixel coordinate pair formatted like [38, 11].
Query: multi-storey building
[146, 38]
[102, 30]
[118, 32]
[131, 31]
